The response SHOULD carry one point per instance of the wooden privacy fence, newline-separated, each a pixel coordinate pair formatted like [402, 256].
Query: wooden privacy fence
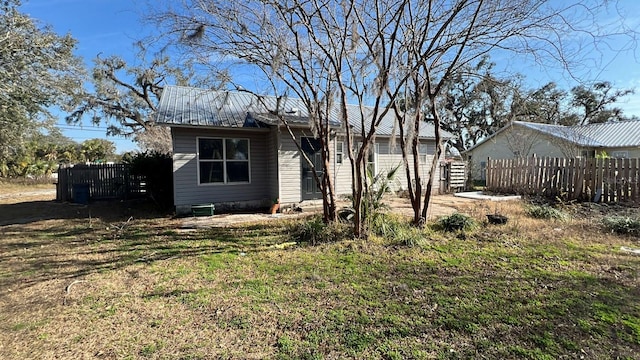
[598, 180]
[103, 181]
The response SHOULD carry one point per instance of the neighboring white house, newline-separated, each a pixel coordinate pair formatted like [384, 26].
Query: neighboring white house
[228, 151]
[524, 139]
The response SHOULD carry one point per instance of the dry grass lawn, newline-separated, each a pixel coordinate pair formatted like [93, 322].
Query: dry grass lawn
[86, 282]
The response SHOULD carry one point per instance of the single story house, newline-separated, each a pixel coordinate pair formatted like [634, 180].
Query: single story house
[619, 139]
[228, 150]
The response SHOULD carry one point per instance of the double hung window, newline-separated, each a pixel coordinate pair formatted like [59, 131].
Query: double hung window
[223, 161]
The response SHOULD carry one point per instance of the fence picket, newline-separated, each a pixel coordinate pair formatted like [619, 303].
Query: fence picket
[604, 180]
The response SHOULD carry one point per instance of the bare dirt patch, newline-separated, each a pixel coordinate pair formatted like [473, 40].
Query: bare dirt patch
[441, 205]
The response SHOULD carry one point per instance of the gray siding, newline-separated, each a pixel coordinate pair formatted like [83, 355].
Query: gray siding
[274, 176]
[388, 157]
[289, 168]
[187, 191]
[525, 141]
[342, 173]
[391, 156]
[275, 166]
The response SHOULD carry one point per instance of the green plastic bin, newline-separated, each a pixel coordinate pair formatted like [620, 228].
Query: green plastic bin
[203, 209]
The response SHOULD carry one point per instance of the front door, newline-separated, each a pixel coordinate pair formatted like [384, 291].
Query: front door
[310, 188]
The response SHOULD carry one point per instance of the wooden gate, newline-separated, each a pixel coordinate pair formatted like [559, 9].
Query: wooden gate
[453, 175]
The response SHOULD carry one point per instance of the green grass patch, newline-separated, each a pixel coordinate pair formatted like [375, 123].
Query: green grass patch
[407, 293]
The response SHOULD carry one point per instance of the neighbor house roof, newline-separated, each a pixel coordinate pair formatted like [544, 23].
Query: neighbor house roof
[604, 135]
[569, 133]
[187, 106]
[613, 134]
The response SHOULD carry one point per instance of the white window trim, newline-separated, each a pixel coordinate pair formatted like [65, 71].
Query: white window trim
[376, 151]
[423, 153]
[341, 152]
[224, 161]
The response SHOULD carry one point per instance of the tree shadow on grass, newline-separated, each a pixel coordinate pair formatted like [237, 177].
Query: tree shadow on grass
[111, 239]
[32, 211]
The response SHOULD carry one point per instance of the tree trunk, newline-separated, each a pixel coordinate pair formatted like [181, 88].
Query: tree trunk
[436, 157]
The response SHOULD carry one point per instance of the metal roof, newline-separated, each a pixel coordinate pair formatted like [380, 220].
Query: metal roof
[614, 134]
[610, 134]
[388, 123]
[568, 133]
[180, 105]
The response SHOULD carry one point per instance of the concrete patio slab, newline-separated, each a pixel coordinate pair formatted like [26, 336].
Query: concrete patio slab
[479, 195]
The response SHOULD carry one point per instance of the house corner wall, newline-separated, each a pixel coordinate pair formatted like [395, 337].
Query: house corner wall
[289, 169]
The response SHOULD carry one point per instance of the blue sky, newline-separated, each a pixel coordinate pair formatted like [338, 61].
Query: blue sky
[110, 27]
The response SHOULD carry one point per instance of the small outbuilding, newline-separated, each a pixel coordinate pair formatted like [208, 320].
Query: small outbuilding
[620, 139]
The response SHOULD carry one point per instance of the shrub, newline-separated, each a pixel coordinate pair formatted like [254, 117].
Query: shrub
[386, 225]
[314, 231]
[544, 212]
[622, 224]
[157, 168]
[456, 222]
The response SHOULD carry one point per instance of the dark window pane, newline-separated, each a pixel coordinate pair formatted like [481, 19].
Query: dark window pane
[237, 171]
[310, 145]
[211, 172]
[210, 149]
[237, 149]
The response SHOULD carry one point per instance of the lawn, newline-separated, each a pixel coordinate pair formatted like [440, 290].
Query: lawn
[97, 283]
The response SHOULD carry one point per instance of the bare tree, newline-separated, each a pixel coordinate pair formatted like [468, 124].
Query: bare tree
[374, 52]
[521, 142]
[324, 52]
[442, 38]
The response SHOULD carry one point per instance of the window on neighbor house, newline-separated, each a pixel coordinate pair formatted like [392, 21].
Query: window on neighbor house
[339, 152]
[589, 154]
[620, 154]
[372, 158]
[223, 161]
[423, 153]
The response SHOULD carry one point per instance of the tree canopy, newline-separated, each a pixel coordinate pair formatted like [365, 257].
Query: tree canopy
[125, 95]
[476, 103]
[37, 72]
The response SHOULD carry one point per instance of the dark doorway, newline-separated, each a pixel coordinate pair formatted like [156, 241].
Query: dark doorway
[310, 188]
